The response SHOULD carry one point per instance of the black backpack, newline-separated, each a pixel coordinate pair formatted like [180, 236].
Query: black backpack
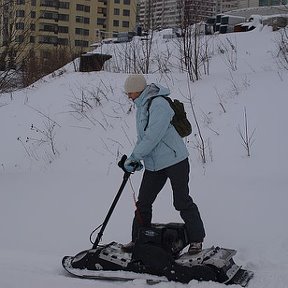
[179, 120]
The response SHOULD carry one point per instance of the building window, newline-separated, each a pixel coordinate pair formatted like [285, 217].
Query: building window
[20, 2]
[125, 24]
[81, 43]
[84, 8]
[19, 38]
[116, 1]
[33, 14]
[63, 29]
[116, 11]
[126, 2]
[19, 26]
[116, 23]
[63, 41]
[49, 3]
[33, 2]
[48, 39]
[102, 10]
[20, 13]
[100, 21]
[32, 39]
[81, 19]
[49, 15]
[32, 27]
[80, 31]
[126, 12]
[48, 28]
[64, 5]
[63, 17]
[79, 7]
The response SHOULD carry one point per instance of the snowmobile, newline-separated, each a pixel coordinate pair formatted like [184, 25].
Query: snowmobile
[156, 257]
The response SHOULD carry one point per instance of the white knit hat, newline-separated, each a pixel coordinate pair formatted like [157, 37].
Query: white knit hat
[135, 83]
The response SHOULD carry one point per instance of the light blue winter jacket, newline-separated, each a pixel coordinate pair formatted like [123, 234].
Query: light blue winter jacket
[159, 146]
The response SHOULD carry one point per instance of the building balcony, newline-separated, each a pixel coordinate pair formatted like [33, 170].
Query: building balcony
[48, 29]
[50, 3]
[45, 39]
[103, 1]
[48, 16]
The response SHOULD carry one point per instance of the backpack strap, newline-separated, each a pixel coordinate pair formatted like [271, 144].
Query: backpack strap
[148, 107]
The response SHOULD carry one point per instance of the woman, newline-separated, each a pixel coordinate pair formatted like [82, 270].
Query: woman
[165, 156]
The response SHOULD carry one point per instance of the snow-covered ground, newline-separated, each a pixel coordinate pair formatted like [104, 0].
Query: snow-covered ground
[57, 184]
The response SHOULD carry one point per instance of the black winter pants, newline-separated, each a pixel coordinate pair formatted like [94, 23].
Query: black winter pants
[151, 185]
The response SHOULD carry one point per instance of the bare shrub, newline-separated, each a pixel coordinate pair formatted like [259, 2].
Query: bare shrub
[221, 102]
[199, 143]
[282, 47]
[42, 144]
[47, 136]
[229, 53]
[246, 136]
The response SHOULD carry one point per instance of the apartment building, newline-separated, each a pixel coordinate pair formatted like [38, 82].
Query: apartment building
[226, 5]
[42, 25]
[248, 3]
[196, 10]
[159, 14]
[272, 2]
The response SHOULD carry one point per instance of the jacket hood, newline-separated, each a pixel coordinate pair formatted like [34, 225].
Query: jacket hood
[151, 91]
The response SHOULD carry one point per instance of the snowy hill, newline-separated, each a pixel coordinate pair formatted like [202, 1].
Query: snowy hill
[62, 137]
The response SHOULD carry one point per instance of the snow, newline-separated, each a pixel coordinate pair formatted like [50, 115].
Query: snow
[51, 201]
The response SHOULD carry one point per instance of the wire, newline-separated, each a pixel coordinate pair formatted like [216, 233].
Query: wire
[91, 235]
[138, 214]
[131, 185]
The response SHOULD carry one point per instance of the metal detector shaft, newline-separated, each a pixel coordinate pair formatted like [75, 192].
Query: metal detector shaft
[99, 236]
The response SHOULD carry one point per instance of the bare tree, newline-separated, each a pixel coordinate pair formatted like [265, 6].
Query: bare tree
[20, 57]
[194, 49]
[33, 67]
[14, 39]
[150, 25]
